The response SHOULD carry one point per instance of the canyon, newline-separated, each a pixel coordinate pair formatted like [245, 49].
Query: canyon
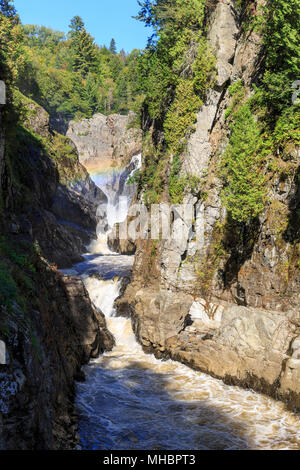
[116, 343]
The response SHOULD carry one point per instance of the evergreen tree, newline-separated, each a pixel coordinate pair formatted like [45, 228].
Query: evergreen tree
[7, 8]
[113, 47]
[90, 95]
[69, 75]
[76, 25]
[83, 47]
[123, 54]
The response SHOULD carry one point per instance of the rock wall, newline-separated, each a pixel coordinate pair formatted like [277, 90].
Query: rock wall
[44, 358]
[105, 140]
[234, 315]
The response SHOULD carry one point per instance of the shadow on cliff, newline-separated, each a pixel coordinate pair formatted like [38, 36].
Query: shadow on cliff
[131, 409]
[292, 232]
[239, 241]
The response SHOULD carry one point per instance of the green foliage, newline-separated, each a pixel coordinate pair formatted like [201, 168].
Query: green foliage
[72, 76]
[8, 287]
[287, 128]
[11, 58]
[16, 270]
[237, 92]
[165, 15]
[280, 24]
[268, 122]
[242, 166]
[7, 9]
[151, 179]
[18, 284]
[181, 115]
[83, 49]
[90, 95]
[20, 260]
[76, 26]
[175, 59]
[174, 73]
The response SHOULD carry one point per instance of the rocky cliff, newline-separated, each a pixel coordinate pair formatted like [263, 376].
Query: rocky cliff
[48, 323]
[103, 141]
[226, 303]
[47, 343]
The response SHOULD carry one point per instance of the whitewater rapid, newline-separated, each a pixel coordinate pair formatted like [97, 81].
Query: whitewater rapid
[133, 401]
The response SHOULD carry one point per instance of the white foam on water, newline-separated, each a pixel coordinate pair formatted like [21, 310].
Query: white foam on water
[103, 293]
[100, 246]
[117, 207]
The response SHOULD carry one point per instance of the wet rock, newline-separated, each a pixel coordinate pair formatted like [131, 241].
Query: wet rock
[159, 315]
[118, 245]
[222, 36]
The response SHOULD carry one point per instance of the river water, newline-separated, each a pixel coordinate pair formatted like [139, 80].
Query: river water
[133, 401]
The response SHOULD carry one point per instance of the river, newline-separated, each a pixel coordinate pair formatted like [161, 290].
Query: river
[132, 401]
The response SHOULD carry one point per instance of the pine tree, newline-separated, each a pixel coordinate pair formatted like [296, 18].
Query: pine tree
[113, 47]
[7, 8]
[90, 95]
[76, 25]
[84, 49]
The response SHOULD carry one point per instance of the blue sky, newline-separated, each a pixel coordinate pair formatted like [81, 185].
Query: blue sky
[104, 19]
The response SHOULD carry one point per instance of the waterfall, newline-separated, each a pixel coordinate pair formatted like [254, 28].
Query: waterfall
[119, 193]
[103, 294]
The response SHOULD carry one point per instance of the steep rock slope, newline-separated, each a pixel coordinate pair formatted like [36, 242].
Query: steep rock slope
[227, 302]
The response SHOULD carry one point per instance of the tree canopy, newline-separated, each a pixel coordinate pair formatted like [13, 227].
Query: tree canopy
[72, 76]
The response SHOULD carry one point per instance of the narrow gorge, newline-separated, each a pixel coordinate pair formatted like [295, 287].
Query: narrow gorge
[158, 404]
[150, 232]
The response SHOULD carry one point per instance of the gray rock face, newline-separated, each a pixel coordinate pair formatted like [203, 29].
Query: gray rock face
[103, 139]
[199, 150]
[222, 36]
[248, 347]
[158, 316]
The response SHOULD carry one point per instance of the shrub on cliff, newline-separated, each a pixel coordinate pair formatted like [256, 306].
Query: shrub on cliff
[243, 167]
